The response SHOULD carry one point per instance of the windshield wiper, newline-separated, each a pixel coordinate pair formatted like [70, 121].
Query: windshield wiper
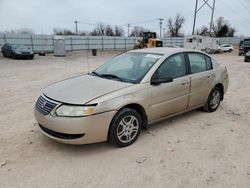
[95, 74]
[110, 76]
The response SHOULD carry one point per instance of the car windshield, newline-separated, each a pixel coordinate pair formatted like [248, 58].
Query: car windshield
[19, 47]
[128, 67]
[247, 42]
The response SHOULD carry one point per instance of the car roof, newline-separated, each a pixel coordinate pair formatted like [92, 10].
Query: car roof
[165, 50]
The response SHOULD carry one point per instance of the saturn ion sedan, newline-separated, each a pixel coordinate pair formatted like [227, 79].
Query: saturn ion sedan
[128, 93]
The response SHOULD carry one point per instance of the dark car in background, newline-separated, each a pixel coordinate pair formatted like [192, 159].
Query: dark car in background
[17, 51]
[244, 46]
[247, 57]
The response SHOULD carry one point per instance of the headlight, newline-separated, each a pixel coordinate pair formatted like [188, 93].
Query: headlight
[74, 111]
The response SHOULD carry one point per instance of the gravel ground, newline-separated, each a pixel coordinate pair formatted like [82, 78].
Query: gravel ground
[197, 149]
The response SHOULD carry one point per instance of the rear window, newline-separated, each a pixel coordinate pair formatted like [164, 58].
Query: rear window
[199, 62]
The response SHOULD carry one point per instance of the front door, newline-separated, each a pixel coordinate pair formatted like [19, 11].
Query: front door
[172, 97]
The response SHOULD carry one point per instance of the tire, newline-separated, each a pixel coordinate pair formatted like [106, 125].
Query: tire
[230, 50]
[123, 132]
[30, 57]
[4, 55]
[213, 100]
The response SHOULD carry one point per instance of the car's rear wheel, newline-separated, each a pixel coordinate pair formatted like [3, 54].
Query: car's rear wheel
[125, 128]
[230, 50]
[213, 100]
[4, 55]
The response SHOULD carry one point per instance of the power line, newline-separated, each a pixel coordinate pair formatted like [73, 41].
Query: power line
[232, 18]
[233, 10]
[244, 5]
[141, 22]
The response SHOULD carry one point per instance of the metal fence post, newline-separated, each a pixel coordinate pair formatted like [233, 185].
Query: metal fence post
[4, 38]
[114, 43]
[71, 42]
[88, 43]
[102, 43]
[31, 41]
[53, 43]
[125, 44]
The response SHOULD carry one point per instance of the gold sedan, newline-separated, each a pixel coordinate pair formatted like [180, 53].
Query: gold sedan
[129, 92]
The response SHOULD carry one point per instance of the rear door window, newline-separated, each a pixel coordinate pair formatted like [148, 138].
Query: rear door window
[197, 62]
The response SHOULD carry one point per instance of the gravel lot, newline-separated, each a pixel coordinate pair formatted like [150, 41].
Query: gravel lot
[197, 149]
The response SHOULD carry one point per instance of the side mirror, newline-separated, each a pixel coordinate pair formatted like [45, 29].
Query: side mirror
[158, 81]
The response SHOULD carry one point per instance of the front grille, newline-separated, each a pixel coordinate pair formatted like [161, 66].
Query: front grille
[44, 105]
[61, 135]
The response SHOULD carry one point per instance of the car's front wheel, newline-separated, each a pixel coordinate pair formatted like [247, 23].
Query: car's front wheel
[125, 128]
[213, 100]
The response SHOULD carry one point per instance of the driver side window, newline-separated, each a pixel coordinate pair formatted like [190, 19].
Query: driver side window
[173, 67]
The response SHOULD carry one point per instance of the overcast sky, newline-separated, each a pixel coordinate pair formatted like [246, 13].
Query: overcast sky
[44, 15]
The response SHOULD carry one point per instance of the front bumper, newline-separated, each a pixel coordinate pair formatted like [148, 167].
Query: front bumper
[69, 130]
[23, 56]
[247, 58]
[241, 51]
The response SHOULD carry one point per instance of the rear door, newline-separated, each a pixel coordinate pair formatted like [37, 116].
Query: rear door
[172, 97]
[202, 77]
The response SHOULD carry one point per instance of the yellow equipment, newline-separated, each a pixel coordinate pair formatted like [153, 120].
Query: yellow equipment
[148, 41]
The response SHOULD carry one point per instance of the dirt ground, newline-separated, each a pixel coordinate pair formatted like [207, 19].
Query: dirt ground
[197, 149]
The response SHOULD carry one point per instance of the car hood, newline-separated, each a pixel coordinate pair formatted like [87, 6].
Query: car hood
[82, 89]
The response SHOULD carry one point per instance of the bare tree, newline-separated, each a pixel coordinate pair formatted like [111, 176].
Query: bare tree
[99, 30]
[174, 27]
[119, 31]
[83, 33]
[222, 28]
[204, 30]
[60, 31]
[137, 31]
[21, 31]
[108, 30]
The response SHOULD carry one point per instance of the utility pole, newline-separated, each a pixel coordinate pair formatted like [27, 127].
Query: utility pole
[128, 29]
[76, 28]
[212, 7]
[195, 12]
[160, 19]
[212, 16]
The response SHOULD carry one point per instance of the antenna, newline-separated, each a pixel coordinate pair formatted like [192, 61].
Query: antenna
[88, 60]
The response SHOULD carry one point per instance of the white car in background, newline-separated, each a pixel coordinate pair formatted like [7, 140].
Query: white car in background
[226, 48]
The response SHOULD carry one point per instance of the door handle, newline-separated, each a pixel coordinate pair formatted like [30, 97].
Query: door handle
[184, 83]
[210, 76]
